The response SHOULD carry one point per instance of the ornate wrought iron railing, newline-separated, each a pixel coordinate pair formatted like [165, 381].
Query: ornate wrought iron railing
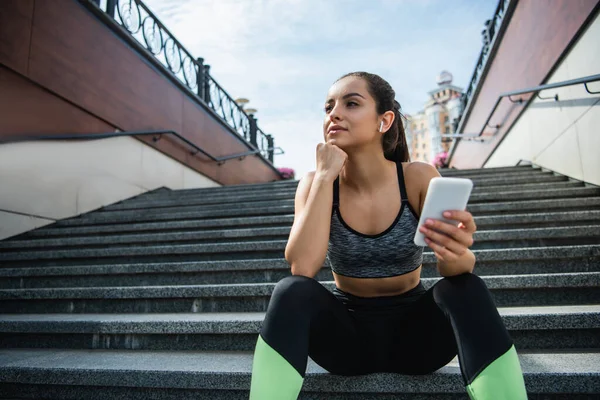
[137, 19]
[491, 32]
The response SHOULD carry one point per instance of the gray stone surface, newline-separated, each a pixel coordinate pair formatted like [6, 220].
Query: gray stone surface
[280, 233]
[481, 181]
[533, 281]
[274, 245]
[138, 291]
[60, 230]
[173, 216]
[537, 218]
[524, 318]
[489, 171]
[286, 221]
[515, 194]
[288, 194]
[160, 210]
[251, 250]
[150, 202]
[522, 290]
[544, 373]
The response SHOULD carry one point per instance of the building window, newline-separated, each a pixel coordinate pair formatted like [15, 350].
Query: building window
[424, 144]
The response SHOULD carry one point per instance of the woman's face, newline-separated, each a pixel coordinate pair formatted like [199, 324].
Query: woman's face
[351, 118]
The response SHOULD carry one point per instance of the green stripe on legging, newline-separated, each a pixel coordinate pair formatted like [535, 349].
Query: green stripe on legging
[501, 380]
[273, 378]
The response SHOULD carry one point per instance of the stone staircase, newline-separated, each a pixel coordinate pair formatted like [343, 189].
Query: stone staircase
[161, 296]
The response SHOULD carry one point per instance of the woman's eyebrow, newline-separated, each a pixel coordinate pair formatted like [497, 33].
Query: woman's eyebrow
[347, 96]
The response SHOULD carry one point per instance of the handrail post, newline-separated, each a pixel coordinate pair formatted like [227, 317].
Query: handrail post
[110, 7]
[271, 143]
[253, 130]
[200, 77]
[206, 76]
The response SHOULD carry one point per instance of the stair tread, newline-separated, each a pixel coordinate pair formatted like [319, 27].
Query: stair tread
[561, 230]
[566, 370]
[540, 281]
[592, 311]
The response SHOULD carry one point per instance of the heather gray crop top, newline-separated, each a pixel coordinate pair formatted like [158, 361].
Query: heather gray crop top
[389, 253]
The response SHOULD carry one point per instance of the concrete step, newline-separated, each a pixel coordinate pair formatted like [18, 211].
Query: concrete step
[517, 180]
[571, 204]
[155, 201]
[279, 185]
[485, 193]
[566, 327]
[124, 273]
[230, 245]
[204, 200]
[485, 239]
[489, 262]
[99, 218]
[212, 236]
[537, 220]
[167, 226]
[536, 237]
[491, 171]
[292, 184]
[223, 205]
[532, 220]
[507, 290]
[519, 207]
[209, 194]
[153, 375]
[535, 194]
[477, 199]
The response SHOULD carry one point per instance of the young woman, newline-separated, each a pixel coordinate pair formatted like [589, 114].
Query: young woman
[360, 210]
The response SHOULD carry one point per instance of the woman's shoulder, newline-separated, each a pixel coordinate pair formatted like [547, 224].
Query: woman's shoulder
[420, 170]
[417, 175]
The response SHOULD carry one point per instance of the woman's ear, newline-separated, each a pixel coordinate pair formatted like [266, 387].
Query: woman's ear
[387, 120]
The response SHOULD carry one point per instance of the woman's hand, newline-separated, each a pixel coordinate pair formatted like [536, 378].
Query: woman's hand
[330, 160]
[447, 241]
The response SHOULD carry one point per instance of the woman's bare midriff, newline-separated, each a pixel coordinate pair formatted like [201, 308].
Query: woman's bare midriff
[374, 287]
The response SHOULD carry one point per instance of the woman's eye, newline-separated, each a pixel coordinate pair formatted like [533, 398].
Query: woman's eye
[327, 109]
[352, 103]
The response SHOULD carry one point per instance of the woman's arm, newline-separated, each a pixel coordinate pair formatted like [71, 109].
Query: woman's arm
[309, 237]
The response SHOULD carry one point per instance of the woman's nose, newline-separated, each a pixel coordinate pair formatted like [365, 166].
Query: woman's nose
[334, 114]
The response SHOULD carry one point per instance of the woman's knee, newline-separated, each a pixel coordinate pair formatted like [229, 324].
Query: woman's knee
[464, 286]
[295, 290]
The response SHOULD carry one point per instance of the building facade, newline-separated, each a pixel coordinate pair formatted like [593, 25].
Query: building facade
[438, 117]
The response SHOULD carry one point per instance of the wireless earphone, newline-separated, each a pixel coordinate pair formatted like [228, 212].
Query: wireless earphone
[381, 127]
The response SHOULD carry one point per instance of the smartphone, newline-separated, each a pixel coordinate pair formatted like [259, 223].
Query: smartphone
[443, 194]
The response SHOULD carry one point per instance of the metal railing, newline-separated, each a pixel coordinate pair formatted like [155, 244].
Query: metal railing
[493, 30]
[535, 91]
[142, 25]
[157, 136]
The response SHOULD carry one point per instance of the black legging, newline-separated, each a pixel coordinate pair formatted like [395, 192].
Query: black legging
[416, 332]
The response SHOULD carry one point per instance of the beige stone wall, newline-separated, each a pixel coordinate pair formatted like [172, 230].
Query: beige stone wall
[41, 182]
[562, 135]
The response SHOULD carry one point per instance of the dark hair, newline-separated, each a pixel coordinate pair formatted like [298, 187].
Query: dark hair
[394, 140]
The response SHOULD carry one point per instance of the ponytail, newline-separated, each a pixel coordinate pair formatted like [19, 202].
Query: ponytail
[394, 140]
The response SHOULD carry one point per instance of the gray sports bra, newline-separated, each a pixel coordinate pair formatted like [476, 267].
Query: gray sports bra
[389, 253]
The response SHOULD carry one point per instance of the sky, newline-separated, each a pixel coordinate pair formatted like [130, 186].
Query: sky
[283, 55]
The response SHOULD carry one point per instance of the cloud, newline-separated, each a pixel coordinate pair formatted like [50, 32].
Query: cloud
[284, 54]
